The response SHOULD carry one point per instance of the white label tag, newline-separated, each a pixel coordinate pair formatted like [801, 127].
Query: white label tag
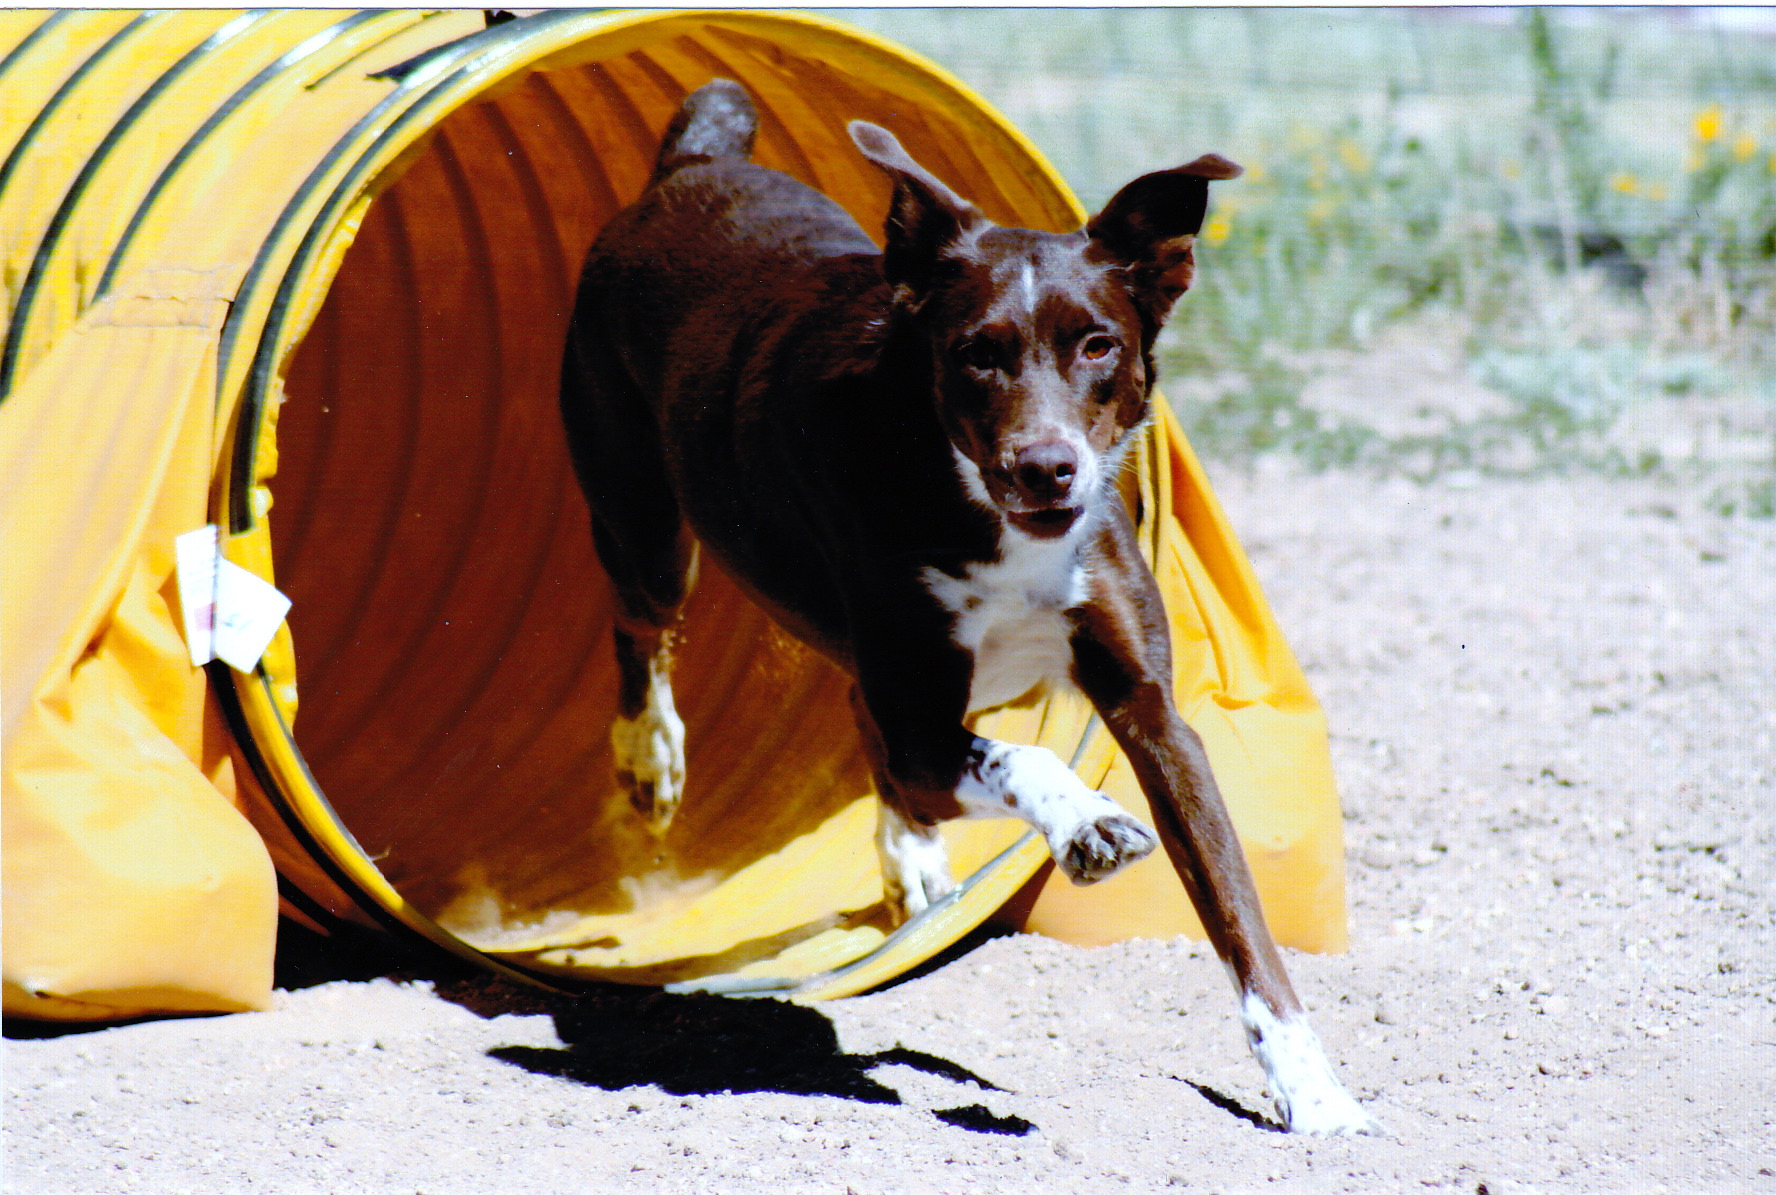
[195, 554]
[230, 614]
[248, 613]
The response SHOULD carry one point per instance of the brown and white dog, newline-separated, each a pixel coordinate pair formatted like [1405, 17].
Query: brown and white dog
[907, 456]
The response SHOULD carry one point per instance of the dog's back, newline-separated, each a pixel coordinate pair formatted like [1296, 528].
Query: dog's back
[714, 237]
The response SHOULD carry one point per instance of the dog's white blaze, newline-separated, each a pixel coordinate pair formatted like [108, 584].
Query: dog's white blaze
[915, 866]
[1011, 613]
[1309, 1097]
[650, 747]
[1016, 656]
[1027, 284]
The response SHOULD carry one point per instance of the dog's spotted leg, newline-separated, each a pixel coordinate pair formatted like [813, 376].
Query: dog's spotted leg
[915, 865]
[647, 735]
[1089, 835]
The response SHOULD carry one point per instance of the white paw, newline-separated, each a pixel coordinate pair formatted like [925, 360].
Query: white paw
[650, 760]
[915, 865]
[1332, 1113]
[1309, 1097]
[1101, 847]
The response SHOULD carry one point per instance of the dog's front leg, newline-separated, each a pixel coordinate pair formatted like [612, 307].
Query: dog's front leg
[929, 768]
[1122, 661]
[1089, 835]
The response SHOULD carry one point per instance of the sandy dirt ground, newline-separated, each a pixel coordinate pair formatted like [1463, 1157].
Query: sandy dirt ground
[1553, 706]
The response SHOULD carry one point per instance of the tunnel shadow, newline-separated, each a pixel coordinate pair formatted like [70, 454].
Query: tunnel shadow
[304, 959]
[307, 959]
[699, 1044]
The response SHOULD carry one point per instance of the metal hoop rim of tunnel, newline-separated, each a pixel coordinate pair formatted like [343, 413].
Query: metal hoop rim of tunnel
[309, 239]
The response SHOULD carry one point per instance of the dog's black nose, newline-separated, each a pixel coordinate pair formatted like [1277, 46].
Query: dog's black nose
[1045, 471]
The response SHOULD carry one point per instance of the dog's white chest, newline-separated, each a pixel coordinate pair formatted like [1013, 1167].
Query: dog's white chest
[1012, 616]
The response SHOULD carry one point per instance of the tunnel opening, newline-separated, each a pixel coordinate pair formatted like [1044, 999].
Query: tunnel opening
[451, 623]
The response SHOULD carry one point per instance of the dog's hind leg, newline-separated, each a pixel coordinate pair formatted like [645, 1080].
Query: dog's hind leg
[647, 735]
[649, 555]
[915, 863]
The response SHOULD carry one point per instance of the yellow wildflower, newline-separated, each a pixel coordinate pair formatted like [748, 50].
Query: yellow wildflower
[1352, 153]
[1216, 230]
[1708, 123]
[1655, 192]
[1319, 210]
[1624, 182]
[1744, 146]
[1513, 170]
[1256, 173]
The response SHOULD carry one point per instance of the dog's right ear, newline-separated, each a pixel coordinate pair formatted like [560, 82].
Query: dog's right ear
[924, 217]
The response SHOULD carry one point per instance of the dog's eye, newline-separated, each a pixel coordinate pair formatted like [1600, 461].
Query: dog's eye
[1096, 348]
[978, 353]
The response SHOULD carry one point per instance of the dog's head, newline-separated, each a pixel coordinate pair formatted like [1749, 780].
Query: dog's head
[1040, 343]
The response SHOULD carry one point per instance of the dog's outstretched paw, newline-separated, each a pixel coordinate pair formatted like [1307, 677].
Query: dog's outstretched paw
[650, 763]
[1101, 847]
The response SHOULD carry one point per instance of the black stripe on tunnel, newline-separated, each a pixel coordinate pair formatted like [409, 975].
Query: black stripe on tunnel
[27, 297]
[309, 47]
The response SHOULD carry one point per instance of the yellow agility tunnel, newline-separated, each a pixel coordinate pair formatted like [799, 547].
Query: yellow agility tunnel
[305, 275]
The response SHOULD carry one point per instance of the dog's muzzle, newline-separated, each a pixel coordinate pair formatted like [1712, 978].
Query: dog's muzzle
[1045, 488]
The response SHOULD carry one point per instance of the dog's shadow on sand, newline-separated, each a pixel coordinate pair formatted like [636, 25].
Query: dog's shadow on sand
[693, 1044]
[616, 1036]
[1233, 1107]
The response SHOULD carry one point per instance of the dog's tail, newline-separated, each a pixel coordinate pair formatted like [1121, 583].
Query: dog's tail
[716, 121]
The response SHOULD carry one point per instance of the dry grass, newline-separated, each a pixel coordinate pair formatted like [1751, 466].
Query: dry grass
[1576, 213]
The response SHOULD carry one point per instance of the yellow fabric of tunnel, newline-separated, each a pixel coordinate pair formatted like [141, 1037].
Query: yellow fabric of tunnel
[326, 260]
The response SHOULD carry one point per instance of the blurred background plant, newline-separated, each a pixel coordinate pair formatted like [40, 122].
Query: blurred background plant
[1468, 241]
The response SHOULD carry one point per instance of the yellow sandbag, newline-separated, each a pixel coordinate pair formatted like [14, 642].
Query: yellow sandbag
[396, 234]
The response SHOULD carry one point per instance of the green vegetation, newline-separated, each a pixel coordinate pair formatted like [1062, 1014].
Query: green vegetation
[1543, 243]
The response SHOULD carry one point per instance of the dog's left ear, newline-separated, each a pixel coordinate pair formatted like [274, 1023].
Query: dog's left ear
[924, 217]
[1151, 225]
